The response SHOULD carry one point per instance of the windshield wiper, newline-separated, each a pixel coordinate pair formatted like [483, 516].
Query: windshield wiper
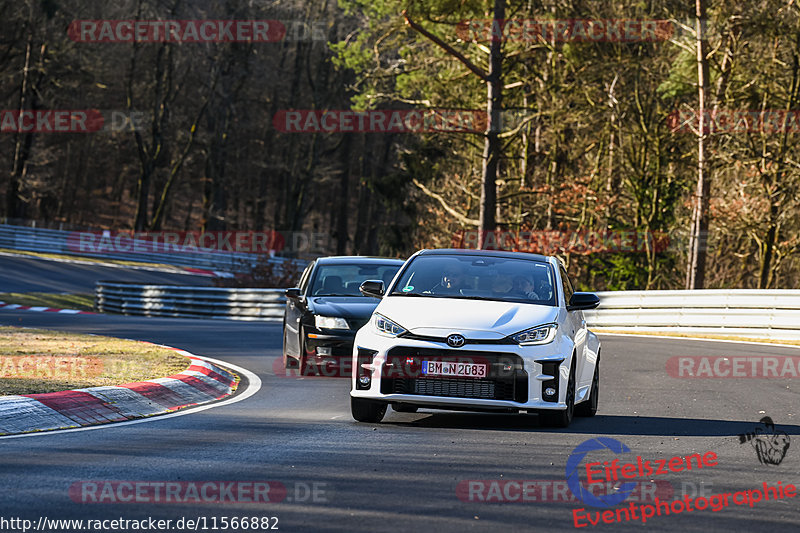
[462, 297]
[410, 294]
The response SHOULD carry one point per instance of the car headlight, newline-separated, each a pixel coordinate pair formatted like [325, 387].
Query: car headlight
[386, 326]
[538, 335]
[330, 322]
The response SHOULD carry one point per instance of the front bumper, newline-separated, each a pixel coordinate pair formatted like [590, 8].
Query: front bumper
[516, 380]
[330, 352]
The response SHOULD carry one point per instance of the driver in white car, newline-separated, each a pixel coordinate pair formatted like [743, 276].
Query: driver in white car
[523, 286]
[453, 281]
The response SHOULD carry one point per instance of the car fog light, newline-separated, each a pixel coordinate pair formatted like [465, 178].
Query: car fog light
[323, 350]
[549, 391]
[364, 380]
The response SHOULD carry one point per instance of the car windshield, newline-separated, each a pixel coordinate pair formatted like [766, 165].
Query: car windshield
[345, 279]
[479, 278]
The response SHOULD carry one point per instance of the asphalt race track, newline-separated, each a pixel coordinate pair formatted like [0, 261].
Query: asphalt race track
[29, 274]
[402, 475]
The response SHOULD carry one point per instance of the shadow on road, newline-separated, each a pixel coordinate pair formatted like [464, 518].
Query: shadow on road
[600, 424]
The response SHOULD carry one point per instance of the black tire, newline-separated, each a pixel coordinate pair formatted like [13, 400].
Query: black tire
[289, 362]
[562, 419]
[367, 410]
[304, 367]
[302, 362]
[404, 408]
[589, 407]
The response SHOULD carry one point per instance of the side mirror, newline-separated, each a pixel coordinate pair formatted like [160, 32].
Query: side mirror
[293, 293]
[372, 287]
[581, 301]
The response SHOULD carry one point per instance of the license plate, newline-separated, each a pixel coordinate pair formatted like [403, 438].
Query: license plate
[458, 370]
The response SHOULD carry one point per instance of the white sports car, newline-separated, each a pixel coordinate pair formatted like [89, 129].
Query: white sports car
[477, 330]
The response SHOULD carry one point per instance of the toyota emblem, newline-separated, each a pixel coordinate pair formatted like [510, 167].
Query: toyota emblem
[455, 340]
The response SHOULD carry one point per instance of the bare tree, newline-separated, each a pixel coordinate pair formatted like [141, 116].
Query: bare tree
[698, 237]
[492, 148]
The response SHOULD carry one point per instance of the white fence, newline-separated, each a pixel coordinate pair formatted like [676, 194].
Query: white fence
[772, 314]
[189, 302]
[58, 242]
[769, 314]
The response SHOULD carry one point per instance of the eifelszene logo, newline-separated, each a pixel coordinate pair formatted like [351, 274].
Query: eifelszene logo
[574, 482]
[616, 471]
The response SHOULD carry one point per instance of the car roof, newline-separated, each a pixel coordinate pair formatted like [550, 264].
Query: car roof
[359, 259]
[486, 253]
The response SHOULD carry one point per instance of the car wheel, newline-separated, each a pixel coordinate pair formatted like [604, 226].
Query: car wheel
[289, 362]
[404, 408]
[367, 410]
[562, 419]
[302, 361]
[303, 366]
[589, 407]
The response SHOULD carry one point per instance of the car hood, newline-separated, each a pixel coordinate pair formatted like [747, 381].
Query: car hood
[475, 319]
[343, 306]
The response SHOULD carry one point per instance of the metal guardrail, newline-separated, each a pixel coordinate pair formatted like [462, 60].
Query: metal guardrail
[767, 314]
[56, 241]
[771, 314]
[189, 302]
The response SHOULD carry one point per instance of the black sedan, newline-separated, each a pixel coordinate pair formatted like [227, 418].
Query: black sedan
[324, 312]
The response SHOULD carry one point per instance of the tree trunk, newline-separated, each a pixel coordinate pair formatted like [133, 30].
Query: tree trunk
[698, 238]
[491, 146]
[344, 200]
[364, 202]
[768, 250]
[23, 141]
[215, 198]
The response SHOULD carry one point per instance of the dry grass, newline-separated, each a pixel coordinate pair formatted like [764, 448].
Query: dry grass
[79, 301]
[35, 361]
[699, 336]
[85, 258]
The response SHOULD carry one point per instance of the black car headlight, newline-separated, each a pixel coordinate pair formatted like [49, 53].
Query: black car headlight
[539, 335]
[330, 322]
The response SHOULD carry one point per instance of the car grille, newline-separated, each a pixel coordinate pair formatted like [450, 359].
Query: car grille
[455, 388]
[506, 380]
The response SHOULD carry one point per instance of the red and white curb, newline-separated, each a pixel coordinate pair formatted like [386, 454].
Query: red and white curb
[18, 307]
[201, 383]
[208, 273]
